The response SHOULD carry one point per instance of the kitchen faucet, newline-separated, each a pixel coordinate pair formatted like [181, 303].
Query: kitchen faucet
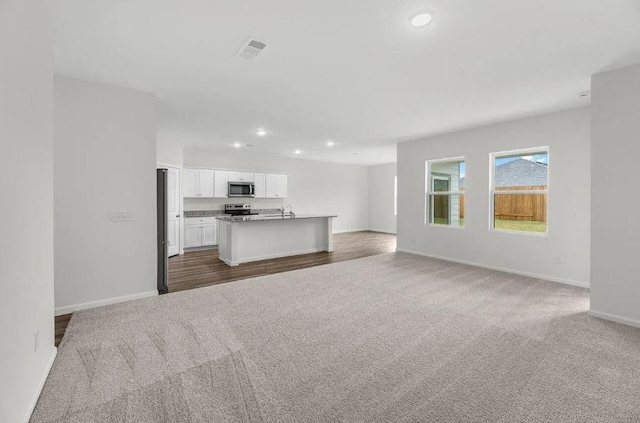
[280, 209]
[291, 213]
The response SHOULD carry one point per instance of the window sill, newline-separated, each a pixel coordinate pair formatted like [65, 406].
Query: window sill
[506, 231]
[437, 225]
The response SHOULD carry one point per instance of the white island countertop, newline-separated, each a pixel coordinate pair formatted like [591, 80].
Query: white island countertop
[268, 217]
[242, 239]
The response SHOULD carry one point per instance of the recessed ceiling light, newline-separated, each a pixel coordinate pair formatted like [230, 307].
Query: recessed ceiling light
[261, 132]
[237, 145]
[297, 152]
[420, 18]
[330, 143]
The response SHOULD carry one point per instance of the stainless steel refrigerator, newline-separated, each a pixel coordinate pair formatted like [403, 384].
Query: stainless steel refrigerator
[163, 240]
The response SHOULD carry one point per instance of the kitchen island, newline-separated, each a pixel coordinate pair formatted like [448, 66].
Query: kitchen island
[242, 239]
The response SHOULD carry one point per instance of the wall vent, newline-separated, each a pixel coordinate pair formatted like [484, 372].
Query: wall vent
[251, 49]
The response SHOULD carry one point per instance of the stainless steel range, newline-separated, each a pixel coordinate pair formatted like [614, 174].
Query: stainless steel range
[238, 210]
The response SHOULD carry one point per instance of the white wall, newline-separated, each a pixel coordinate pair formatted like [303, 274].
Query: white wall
[313, 187]
[26, 190]
[381, 198]
[563, 255]
[168, 153]
[615, 224]
[105, 160]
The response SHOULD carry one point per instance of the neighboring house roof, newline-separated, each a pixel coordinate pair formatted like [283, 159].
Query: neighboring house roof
[519, 173]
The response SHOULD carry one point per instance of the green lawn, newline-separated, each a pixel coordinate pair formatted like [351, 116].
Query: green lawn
[507, 225]
[521, 225]
[443, 221]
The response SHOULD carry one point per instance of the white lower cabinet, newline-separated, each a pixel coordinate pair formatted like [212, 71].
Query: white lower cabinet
[209, 234]
[200, 232]
[192, 235]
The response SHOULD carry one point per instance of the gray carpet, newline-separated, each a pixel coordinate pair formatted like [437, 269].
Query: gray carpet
[391, 338]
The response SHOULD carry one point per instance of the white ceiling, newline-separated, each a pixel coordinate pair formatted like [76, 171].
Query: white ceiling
[352, 71]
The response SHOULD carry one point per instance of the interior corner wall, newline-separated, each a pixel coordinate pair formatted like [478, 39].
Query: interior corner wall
[381, 199]
[26, 189]
[562, 255]
[615, 222]
[313, 186]
[169, 153]
[105, 161]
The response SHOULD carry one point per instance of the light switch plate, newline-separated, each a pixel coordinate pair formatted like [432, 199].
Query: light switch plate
[121, 216]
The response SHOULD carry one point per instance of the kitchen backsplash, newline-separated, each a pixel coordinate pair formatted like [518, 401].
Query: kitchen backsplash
[213, 213]
[208, 204]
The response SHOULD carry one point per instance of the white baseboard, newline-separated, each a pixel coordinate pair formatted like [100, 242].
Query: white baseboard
[614, 318]
[502, 269]
[43, 379]
[279, 255]
[344, 231]
[227, 262]
[92, 304]
[382, 231]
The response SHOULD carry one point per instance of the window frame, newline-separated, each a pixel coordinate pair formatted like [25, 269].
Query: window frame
[429, 191]
[492, 190]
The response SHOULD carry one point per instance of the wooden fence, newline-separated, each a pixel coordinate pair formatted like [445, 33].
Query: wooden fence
[527, 207]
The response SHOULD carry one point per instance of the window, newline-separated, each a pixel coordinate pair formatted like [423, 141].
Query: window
[395, 195]
[445, 192]
[519, 188]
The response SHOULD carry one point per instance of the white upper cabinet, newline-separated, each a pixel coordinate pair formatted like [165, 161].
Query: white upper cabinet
[282, 186]
[221, 184]
[259, 179]
[209, 183]
[235, 176]
[276, 186]
[205, 182]
[190, 183]
[198, 183]
[271, 186]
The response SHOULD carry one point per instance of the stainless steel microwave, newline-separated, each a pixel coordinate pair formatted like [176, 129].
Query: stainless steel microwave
[242, 189]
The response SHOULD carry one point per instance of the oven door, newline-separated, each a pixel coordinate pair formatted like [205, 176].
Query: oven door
[241, 189]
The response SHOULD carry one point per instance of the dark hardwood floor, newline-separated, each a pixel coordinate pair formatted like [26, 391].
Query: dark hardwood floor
[60, 326]
[203, 268]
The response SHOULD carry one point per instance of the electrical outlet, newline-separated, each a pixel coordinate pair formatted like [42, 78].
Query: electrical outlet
[36, 341]
[121, 216]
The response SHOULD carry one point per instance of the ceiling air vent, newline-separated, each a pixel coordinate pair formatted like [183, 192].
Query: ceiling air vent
[251, 49]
